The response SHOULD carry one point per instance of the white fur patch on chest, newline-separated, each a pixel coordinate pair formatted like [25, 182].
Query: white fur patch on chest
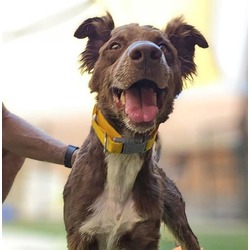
[114, 211]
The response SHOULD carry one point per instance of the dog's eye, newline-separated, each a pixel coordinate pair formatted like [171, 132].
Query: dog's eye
[115, 46]
[164, 48]
[168, 53]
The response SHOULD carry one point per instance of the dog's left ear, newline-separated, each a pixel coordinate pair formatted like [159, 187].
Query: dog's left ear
[184, 37]
[98, 30]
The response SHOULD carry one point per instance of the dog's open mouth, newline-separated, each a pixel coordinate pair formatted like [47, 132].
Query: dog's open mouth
[141, 101]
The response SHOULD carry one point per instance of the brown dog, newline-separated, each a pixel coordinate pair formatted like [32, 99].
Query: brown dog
[116, 196]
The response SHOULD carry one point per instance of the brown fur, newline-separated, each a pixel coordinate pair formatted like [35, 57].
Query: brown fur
[112, 56]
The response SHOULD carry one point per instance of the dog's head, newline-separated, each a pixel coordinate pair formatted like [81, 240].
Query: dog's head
[138, 70]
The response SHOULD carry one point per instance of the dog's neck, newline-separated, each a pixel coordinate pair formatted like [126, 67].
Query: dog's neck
[113, 142]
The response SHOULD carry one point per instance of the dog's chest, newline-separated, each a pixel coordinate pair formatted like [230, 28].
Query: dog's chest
[113, 211]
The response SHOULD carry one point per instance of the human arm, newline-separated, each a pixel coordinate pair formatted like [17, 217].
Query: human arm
[11, 164]
[22, 140]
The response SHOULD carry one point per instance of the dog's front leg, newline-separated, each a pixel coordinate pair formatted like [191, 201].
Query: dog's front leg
[180, 228]
[77, 241]
[144, 236]
[175, 218]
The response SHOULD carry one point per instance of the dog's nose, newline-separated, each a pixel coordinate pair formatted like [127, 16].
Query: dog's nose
[144, 51]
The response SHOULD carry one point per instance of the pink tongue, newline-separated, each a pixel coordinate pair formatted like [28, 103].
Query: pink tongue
[140, 105]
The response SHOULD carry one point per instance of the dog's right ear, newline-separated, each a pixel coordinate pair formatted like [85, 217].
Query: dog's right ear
[98, 30]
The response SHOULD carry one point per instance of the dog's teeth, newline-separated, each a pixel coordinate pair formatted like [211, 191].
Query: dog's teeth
[122, 98]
